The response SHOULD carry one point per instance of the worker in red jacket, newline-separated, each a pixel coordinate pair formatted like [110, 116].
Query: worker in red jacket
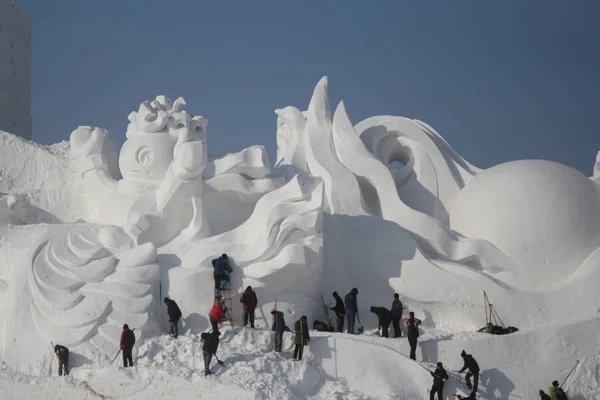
[217, 313]
[127, 342]
[413, 333]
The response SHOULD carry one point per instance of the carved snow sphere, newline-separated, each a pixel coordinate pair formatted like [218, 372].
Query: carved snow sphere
[146, 157]
[544, 215]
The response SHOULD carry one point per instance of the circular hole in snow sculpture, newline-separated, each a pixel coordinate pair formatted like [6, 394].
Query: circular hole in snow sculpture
[397, 164]
[398, 157]
[151, 117]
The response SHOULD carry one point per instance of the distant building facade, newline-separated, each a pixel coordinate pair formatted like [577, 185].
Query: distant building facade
[15, 70]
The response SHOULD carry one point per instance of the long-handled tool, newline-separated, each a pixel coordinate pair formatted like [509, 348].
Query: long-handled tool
[572, 369]
[119, 352]
[221, 363]
[360, 328]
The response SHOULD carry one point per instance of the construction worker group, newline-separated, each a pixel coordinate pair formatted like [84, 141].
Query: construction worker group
[346, 311]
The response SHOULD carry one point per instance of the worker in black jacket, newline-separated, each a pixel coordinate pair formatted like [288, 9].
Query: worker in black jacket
[385, 317]
[63, 359]
[473, 368]
[440, 376]
[397, 308]
[340, 312]
[209, 348]
[351, 309]
[174, 314]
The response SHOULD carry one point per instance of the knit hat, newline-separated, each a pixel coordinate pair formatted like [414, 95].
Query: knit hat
[555, 383]
[439, 364]
[303, 318]
[463, 354]
[396, 295]
[335, 294]
[125, 327]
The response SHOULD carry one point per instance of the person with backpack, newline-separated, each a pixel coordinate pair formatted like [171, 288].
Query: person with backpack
[556, 392]
[384, 317]
[351, 309]
[278, 327]
[543, 395]
[222, 269]
[209, 349]
[301, 337]
[413, 333]
[249, 303]
[340, 312]
[473, 367]
[127, 342]
[397, 308]
[217, 313]
[62, 353]
[174, 314]
[440, 376]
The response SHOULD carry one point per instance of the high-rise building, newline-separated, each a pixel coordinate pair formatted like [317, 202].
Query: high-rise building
[15, 70]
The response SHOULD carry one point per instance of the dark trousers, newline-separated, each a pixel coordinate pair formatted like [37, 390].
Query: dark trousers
[173, 329]
[350, 315]
[439, 389]
[413, 347]
[384, 329]
[396, 325]
[215, 324]
[207, 359]
[249, 317]
[475, 376]
[63, 364]
[278, 341]
[298, 351]
[339, 322]
[127, 357]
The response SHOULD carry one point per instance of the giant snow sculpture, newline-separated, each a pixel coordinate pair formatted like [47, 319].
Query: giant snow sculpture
[336, 211]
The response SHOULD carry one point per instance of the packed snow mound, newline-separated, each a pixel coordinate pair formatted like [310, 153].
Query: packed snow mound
[43, 180]
[542, 214]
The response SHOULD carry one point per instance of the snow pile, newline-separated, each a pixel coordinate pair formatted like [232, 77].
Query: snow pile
[44, 181]
[385, 206]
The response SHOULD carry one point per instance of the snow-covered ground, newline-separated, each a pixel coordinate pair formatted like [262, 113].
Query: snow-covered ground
[91, 239]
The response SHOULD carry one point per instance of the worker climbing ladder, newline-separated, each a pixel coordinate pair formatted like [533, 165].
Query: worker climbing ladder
[227, 294]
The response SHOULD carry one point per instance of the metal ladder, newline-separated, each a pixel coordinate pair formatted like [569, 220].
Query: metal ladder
[228, 302]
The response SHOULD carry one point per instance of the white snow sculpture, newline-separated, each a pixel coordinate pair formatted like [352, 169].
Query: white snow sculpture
[542, 214]
[160, 162]
[78, 289]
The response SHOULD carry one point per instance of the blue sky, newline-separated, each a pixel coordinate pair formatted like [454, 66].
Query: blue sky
[499, 81]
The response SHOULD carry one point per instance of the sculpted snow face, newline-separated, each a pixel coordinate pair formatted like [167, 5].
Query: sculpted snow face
[161, 163]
